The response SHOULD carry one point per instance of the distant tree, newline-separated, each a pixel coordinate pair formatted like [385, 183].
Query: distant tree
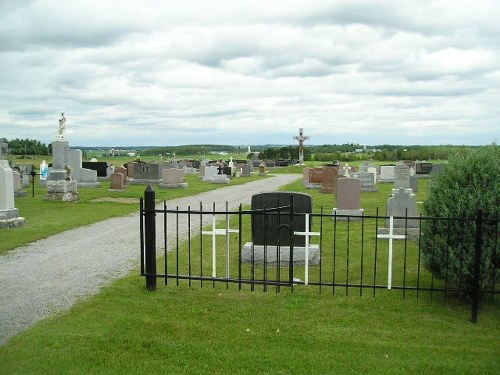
[27, 147]
[470, 182]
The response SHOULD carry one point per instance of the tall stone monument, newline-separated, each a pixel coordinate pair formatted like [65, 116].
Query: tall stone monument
[301, 138]
[9, 215]
[60, 185]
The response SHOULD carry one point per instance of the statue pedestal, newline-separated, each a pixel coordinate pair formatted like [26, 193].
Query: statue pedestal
[10, 218]
[61, 190]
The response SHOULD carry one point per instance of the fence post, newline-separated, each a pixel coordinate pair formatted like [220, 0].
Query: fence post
[477, 266]
[150, 237]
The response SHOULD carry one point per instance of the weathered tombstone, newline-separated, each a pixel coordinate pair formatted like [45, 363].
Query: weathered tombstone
[172, 178]
[228, 171]
[201, 171]
[272, 229]
[262, 169]
[123, 171]
[9, 214]
[402, 204]
[386, 173]
[367, 181]
[209, 173]
[116, 182]
[245, 171]
[401, 176]
[60, 185]
[422, 167]
[85, 177]
[146, 173]
[329, 180]
[414, 183]
[101, 167]
[348, 199]
[312, 177]
[18, 186]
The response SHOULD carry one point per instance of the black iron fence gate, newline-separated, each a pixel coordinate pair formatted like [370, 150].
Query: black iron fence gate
[338, 253]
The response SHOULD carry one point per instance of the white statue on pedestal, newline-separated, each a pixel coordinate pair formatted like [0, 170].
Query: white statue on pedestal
[62, 125]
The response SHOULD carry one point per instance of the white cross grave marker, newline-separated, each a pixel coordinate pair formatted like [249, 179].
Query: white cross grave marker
[391, 236]
[307, 234]
[220, 232]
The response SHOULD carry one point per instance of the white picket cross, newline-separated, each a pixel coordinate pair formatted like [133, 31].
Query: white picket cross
[219, 232]
[307, 234]
[391, 236]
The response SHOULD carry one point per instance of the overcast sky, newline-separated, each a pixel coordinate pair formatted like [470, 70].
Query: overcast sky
[251, 72]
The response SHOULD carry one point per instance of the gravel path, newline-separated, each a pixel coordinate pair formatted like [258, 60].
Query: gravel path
[50, 275]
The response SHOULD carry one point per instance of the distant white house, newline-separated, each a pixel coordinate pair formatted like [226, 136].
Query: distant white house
[130, 153]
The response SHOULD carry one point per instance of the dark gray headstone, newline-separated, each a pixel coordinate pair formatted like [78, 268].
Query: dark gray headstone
[265, 227]
[423, 168]
[227, 171]
[100, 166]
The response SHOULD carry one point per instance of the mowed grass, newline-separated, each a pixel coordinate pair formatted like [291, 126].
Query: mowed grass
[220, 330]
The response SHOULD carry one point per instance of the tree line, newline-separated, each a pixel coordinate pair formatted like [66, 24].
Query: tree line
[27, 147]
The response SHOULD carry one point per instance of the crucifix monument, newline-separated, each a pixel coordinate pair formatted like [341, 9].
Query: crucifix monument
[301, 138]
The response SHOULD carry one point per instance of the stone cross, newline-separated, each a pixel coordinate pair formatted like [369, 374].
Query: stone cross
[301, 138]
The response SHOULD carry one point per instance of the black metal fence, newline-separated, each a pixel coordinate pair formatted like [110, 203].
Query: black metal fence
[340, 254]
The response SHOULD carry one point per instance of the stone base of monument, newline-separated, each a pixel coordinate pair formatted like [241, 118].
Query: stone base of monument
[217, 179]
[351, 214]
[61, 190]
[138, 181]
[89, 184]
[116, 190]
[20, 193]
[176, 185]
[271, 255]
[411, 233]
[310, 185]
[370, 189]
[9, 218]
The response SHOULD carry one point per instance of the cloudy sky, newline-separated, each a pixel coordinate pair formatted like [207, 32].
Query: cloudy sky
[251, 72]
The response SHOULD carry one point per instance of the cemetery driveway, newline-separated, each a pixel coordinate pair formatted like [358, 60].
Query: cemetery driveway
[50, 275]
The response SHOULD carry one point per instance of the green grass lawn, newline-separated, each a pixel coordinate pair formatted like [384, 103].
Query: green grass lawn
[217, 330]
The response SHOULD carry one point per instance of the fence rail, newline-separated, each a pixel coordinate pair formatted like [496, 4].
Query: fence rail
[339, 253]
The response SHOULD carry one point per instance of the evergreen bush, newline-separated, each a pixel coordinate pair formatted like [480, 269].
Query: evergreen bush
[470, 182]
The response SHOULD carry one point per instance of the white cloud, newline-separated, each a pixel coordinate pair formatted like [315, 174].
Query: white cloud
[251, 72]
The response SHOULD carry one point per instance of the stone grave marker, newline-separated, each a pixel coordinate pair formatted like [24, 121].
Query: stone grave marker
[386, 173]
[101, 167]
[123, 171]
[414, 183]
[85, 177]
[9, 214]
[367, 181]
[245, 171]
[348, 199]
[329, 180]
[402, 203]
[146, 173]
[60, 184]
[117, 182]
[401, 176]
[422, 167]
[172, 179]
[265, 233]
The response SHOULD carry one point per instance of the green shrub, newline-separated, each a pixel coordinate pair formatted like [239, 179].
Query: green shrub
[471, 182]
